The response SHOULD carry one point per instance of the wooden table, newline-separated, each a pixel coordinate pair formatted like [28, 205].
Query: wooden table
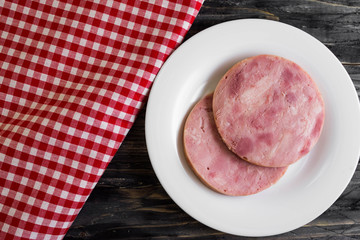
[129, 202]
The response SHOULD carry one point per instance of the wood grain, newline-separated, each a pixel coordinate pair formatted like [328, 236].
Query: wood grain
[129, 202]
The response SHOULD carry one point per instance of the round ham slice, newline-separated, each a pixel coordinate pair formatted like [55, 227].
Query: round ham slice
[214, 163]
[268, 111]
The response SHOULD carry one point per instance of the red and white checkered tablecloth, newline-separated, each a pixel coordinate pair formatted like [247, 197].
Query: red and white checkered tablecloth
[73, 76]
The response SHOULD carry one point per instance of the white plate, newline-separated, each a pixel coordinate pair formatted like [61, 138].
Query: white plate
[310, 186]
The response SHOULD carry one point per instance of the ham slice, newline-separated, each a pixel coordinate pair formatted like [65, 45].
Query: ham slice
[268, 111]
[214, 163]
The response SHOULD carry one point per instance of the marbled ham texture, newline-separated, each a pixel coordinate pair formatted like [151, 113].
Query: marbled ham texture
[214, 163]
[268, 111]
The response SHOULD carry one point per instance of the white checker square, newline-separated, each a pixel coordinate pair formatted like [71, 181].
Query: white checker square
[28, 41]
[83, 184]
[58, 209]
[29, 165]
[16, 38]
[33, 28]
[127, 69]
[66, 146]
[10, 177]
[26, 87]
[79, 150]
[134, 86]
[84, 135]
[100, 32]
[77, 197]
[109, 49]
[25, 216]
[140, 73]
[96, 77]
[18, 196]
[92, 13]
[38, 136]
[56, 175]
[118, 21]
[105, 17]
[5, 227]
[128, 101]
[61, 66]
[39, 91]
[12, 211]
[62, 20]
[47, 156]
[130, 25]
[64, 194]
[4, 35]
[83, 102]
[78, 56]
[158, 63]
[111, 144]
[74, 24]
[39, 220]
[37, 185]
[33, 151]
[21, 24]
[50, 17]
[126, 39]
[9, 21]
[156, 31]
[103, 125]
[47, 62]
[122, 115]
[88, 168]
[87, 27]
[50, 190]
[148, 14]
[33, 235]
[19, 232]
[24, 181]
[83, 41]
[90, 121]
[67, 7]
[122, 6]
[116, 129]
[52, 141]
[40, 45]
[57, 126]
[34, 58]
[109, 111]
[96, 106]
[135, 11]
[93, 154]
[80, 10]
[44, 205]
[71, 131]
[46, 31]
[30, 73]
[52, 49]
[95, 46]
[5, 112]
[76, 116]
[65, 51]
[91, 60]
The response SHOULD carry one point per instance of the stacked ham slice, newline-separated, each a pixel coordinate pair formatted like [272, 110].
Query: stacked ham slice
[265, 114]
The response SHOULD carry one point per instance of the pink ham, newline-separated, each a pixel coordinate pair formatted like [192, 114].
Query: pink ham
[268, 111]
[214, 163]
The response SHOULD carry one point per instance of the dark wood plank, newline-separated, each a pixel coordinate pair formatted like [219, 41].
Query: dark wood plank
[129, 202]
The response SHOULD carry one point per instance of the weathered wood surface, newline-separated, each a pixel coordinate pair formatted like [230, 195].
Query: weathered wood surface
[129, 202]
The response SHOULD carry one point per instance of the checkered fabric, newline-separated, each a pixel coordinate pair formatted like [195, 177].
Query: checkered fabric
[73, 76]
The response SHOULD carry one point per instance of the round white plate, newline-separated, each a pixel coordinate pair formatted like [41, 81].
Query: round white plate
[310, 186]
